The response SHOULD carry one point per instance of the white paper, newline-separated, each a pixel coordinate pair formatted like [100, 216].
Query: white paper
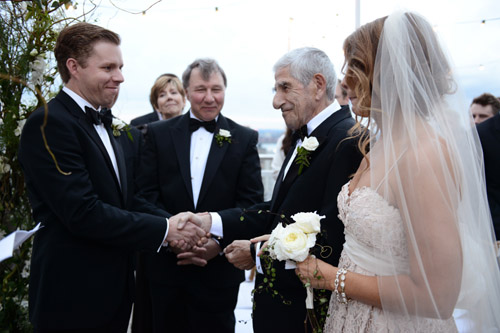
[290, 264]
[14, 240]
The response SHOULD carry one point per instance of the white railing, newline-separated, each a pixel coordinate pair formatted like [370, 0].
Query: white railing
[267, 175]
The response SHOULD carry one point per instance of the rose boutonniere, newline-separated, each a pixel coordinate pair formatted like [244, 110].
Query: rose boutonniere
[118, 126]
[223, 135]
[303, 152]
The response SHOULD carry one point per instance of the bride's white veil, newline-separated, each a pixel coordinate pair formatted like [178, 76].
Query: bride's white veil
[426, 161]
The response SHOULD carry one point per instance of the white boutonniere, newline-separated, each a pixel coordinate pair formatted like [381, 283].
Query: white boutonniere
[303, 152]
[118, 126]
[223, 135]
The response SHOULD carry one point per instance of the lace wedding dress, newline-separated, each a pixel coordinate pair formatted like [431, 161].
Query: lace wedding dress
[365, 215]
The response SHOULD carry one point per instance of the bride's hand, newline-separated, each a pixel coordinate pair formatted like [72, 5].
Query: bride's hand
[263, 238]
[318, 273]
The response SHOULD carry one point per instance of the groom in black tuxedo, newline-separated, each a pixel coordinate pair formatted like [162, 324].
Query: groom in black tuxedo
[305, 88]
[201, 161]
[81, 277]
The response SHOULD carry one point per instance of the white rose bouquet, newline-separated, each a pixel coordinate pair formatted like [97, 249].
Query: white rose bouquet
[294, 241]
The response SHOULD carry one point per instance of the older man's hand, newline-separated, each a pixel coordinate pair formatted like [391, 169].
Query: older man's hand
[238, 253]
[199, 256]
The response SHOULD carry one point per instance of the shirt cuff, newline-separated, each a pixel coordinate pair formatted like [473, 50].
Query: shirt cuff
[216, 229]
[164, 243]
[257, 259]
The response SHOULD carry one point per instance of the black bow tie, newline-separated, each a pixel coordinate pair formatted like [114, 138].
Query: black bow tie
[104, 116]
[195, 124]
[301, 133]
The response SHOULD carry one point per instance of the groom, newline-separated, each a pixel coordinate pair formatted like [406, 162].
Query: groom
[305, 88]
[81, 277]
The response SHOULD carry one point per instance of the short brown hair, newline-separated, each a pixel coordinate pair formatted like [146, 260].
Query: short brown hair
[161, 82]
[207, 67]
[77, 41]
[488, 99]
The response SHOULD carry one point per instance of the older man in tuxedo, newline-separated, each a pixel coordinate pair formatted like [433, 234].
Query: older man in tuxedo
[201, 161]
[80, 186]
[305, 88]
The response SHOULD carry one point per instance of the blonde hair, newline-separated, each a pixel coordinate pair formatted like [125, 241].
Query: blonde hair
[161, 82]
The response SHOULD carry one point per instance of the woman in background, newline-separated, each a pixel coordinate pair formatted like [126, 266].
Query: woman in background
[168, 99]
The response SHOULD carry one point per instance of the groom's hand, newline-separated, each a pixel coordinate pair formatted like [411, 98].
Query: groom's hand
[184, 231]
[202, 220]
[238, 253]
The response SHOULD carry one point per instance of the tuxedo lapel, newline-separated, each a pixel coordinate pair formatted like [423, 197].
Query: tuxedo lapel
[215, 157]
[279, 179]
[181, 137]
[120, 161]
[75, 110]
[321, 133]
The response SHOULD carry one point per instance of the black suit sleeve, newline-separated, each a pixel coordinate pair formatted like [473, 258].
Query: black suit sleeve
[84, 199]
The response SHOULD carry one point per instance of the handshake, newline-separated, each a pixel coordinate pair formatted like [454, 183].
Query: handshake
[189, 237]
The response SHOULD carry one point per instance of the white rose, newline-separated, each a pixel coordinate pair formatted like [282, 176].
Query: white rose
[224, 133]
[19, 129]
[308, 222]
[118, 124]
[6, 168]
[291, 243]
[310, 143]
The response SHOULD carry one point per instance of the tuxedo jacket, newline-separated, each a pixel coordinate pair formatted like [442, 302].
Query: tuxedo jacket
[82, 262]
[232, 179]
[145, 119]
[489, 133]
[314, 190]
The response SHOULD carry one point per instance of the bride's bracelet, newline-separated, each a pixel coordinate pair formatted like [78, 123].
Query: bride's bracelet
[340, 281]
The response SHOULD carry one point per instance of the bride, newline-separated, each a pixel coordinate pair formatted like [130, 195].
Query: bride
[419, 242]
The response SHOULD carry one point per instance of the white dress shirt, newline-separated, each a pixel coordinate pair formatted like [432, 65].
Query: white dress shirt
[201, 141]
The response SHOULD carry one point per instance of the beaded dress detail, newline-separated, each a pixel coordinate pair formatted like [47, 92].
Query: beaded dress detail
[365, 215]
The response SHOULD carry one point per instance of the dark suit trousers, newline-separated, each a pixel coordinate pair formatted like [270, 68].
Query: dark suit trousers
[118, 324]
[208, 309]
[271, 315]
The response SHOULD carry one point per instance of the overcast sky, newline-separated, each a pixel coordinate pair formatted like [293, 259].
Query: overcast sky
[247, 37]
